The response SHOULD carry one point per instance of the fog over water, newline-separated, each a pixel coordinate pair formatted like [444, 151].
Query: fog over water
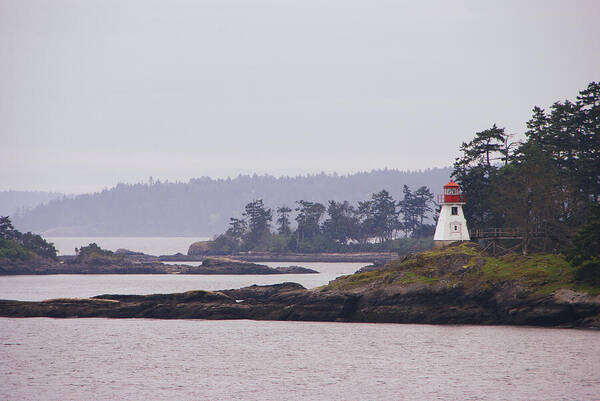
[98, 94]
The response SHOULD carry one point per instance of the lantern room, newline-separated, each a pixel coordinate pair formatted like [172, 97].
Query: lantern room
[451, 194]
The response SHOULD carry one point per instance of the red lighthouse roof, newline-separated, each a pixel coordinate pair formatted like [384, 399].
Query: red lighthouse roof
[451, 184]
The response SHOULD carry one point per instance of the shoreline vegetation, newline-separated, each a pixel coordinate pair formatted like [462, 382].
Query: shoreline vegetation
[201, 206]
[547, 187]
[91, 259]
[543, 186]
[455, 285]
[30, 254]
[373, 225]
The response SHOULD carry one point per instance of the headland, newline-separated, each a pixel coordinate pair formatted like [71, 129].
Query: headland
[455, 285]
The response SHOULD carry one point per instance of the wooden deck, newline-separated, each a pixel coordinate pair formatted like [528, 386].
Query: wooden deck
[501, 241]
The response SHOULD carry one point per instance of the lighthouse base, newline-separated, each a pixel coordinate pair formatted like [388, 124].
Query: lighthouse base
[439, 244]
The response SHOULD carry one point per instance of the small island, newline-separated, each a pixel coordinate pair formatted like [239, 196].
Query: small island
[455, 285]
[539, 197]
[27, 254]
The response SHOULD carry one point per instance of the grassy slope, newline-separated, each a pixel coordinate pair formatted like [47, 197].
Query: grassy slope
[463, 265]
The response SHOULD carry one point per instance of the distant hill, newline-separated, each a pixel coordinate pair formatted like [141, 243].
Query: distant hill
[13, 202]
[203, 206]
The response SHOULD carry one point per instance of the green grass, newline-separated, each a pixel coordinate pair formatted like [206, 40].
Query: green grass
[465, 248]
[538, 274]
[355, 280]
[411, 277]
[541, 273]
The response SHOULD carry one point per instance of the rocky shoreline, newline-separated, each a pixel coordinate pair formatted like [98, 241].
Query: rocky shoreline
[454, 286]
[290, 301]
[126, 266]
[356, 257]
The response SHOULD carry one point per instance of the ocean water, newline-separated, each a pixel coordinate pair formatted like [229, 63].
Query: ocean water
[38, 288]
[103, 359]
[145, 359]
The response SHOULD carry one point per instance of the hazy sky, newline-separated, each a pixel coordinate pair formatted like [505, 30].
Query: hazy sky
[98, 92]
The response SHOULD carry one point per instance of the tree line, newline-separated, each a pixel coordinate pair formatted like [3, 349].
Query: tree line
[15, 245]
[371, 224]
[202, 206]
[544, 185]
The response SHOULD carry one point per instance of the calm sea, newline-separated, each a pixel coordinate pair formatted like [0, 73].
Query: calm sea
[103, 359]
[38, 288]
[142, 359]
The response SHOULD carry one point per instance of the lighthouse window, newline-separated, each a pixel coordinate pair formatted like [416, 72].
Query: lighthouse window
[454, 210]
[455, 228]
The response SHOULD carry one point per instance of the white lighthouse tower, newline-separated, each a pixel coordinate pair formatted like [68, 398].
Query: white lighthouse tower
[451, 225]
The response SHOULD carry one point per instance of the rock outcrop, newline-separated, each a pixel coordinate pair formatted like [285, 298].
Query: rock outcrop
[453, 286]
[223, 265]
[134, 266]
[200, 248]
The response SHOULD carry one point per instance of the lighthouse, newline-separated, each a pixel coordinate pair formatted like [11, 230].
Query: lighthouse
[451, 225]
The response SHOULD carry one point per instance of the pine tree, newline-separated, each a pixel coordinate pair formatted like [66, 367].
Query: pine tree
[422, 204]
[283, 220]
[342, 223]
[385, 218]
[475, 170]
[406, 207]
[309, 214]
[237, 229]
[259, 219]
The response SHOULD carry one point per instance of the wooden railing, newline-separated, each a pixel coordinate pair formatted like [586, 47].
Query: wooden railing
[502, 232]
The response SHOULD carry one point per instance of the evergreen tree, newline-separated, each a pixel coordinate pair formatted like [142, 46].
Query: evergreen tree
[407, 209]
[585, 253]
[537, 126]
[586, 243]
[423, 198]
[342, 223]
[283, 220]
[7, 231]
[529, 196]
[570, 137]
[237, 229]
[14, 244]
[366, 222]
[589, 143]
[385, 218]
[259, 220]
[309, 214]
[422, 204]
[475, 170]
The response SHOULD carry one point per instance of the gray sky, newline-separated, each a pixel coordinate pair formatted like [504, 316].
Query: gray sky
[98, 92]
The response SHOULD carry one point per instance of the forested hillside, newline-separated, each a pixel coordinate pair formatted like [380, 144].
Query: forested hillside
[12, 202]
[203, 206]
